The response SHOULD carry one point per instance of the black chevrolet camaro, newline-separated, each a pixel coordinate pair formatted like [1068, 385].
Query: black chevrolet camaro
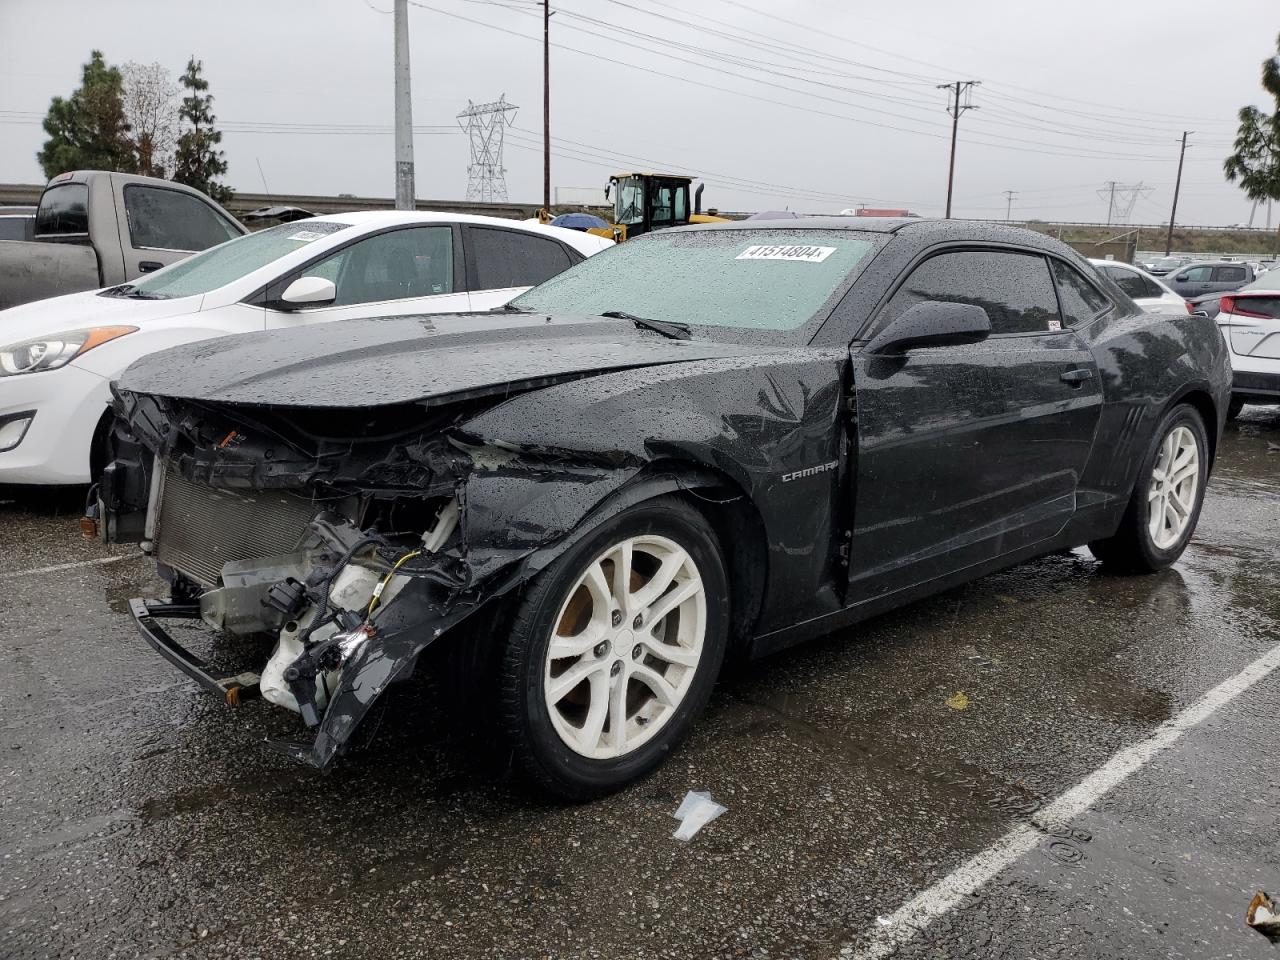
[709, 441]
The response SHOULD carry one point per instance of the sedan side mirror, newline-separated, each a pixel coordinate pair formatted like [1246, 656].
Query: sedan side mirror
[933, 323]
[309, 291]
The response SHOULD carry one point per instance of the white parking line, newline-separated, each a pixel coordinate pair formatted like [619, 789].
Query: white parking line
[912, 917]
[14, 574]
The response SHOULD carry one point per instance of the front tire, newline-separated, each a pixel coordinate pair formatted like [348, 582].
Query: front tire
[1166, 500]
[614, 650]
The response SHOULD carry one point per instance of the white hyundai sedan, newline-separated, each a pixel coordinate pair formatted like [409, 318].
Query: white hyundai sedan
[58, 356]
[1147, 291]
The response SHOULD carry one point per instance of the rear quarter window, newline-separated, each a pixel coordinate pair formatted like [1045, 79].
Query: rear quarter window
[1081, 300]
[1229, 274]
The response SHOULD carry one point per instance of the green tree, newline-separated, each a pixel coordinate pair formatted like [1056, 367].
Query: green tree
[1256, 163]
[197, 161]
[88, 130]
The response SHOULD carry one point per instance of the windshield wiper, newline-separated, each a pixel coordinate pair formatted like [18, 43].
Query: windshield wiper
[675, 331]
[508, 308]
[145, 295]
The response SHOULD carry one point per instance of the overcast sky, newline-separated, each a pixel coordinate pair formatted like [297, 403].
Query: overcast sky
[815, 105]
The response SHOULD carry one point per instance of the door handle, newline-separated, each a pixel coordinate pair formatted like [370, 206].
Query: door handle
[1077, 376]
[146, 266]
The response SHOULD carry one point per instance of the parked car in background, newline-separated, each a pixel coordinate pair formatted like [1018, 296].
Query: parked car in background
[17, 223]
[1249, 319]
[95, 229]
[1146, 291]
[1218, 276]
[1163, 265]
[58, 356]
[709, 441]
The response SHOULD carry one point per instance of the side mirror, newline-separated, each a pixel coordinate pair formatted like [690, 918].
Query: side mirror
[309, 291]
[933, 323]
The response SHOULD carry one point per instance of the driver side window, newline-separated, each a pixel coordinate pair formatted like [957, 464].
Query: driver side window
[1014, 288]
[417, 262]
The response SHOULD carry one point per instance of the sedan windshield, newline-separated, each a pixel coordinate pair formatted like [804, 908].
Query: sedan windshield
[220, 265]
[744, 279]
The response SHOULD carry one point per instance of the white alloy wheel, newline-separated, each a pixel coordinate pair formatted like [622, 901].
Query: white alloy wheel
[625, 646]
[1171, 495]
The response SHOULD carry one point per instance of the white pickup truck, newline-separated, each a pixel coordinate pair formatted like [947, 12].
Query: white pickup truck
[95, 229]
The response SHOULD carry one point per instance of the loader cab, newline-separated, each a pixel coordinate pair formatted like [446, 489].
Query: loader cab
[653, 201]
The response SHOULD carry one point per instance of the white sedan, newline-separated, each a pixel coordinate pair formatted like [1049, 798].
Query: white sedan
[1250, 323]
[58, 356]
[1147, 291]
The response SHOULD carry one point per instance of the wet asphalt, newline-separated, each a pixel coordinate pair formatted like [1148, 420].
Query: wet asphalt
[139, 817]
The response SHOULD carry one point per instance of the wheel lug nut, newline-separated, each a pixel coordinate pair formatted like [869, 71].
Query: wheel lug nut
[636, 652]
[601, 648]
[635, 624]
[617, 618]
[615, 669]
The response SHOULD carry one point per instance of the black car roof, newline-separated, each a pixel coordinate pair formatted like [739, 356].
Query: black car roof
[921, 230]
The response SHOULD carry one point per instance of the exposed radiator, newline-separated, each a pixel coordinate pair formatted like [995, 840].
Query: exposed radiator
[200, 528]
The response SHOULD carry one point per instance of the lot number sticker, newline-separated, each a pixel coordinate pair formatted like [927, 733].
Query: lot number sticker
[804, 254]
[306, 236]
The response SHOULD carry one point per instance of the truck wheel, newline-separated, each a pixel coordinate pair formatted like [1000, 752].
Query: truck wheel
[1166, 499]
[614, 650]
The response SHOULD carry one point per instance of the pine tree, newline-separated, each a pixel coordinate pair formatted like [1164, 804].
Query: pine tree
[1256, 162]
[88, 130]
[197, 161]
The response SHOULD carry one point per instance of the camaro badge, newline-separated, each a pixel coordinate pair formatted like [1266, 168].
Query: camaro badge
[810, 471]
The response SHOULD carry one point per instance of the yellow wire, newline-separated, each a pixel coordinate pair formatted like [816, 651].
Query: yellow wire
[373, 600]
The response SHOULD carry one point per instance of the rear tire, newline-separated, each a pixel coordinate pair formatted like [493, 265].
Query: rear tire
[1167, 495]
[604, 672]
[1234, 407]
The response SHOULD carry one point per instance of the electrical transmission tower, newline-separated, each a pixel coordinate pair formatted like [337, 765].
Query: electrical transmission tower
[1120, 199]
[486, 125]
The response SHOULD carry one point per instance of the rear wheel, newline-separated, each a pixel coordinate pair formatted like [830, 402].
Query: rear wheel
[1166, 499]
[614, 650]
[1234, 407]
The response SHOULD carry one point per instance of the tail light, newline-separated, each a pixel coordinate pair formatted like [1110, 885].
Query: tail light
[1233, 305]
[1190, 308]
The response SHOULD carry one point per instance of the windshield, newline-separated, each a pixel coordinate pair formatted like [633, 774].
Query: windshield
[220, 265]
[744, 279]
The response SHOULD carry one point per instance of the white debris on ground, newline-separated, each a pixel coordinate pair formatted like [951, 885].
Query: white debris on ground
[696, 810]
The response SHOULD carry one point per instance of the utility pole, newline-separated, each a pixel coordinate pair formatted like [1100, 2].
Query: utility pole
[1177, 185]
[1008, 206]
[955, 108]
[546, 106]
[405, 193]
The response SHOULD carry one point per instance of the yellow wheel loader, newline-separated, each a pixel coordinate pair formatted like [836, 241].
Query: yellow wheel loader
[649, 201]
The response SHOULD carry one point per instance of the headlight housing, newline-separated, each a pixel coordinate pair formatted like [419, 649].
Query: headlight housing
[54, 350]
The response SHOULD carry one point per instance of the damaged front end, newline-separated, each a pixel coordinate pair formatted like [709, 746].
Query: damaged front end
[349, 539]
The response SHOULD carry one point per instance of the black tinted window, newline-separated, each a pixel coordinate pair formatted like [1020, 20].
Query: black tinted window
[15, 228]
[505, 258]
[1229, 274]
[1014, 288]
[1081, 300]
[63, 210]
[169, 220]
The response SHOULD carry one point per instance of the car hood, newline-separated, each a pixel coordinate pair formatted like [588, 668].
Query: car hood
[430, 359]
[76, 311]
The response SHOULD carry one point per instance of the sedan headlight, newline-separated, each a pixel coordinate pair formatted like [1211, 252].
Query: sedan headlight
[55, 350]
